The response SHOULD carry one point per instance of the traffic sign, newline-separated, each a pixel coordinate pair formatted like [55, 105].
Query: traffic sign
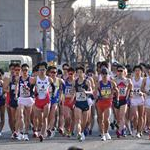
[51, 55]
[45, 11]
[45, 24]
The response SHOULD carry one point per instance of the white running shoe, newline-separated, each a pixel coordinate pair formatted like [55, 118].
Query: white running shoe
[138, 135]
[20, 137]
[79, 137]
[103, 138]
[83, 136]
[0, 134]
[52, 134]
[14, 135]
[108, 137]
[26, 138]
[134, 133]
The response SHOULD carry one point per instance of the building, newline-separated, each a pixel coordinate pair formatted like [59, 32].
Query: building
[12, 22]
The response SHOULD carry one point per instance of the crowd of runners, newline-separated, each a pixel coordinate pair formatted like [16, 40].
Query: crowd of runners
[68, 100]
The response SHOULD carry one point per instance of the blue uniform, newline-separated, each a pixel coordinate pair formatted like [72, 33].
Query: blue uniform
[105, 91]
[13, 102]
[2, 99]
[81, 98]
[55, 97]
[67, 87]
[25, 88]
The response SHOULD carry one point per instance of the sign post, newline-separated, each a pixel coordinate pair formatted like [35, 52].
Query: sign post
[45, 24]
[45, 11]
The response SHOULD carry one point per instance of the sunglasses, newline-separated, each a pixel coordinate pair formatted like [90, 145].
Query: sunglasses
[17, 69]
[41, 69]
[53, 72]
[120, 70]
[24, 70]
[104, 73]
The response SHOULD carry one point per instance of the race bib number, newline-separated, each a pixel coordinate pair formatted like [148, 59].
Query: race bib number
[24, 91]
[105, 93]
[122, 92]
[136, 91]
[13, 86]
[81, 96]
[42, 92]
[68, 91]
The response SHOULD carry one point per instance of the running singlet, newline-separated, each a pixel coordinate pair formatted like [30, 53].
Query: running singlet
[55, 96]
[147, 86]
[57, 86]
[25, 89]
[137, 86]
[2, 99]
[12, 87]
[42, 87]
[1, 90]
[122, 86]
[80, 95]
[105, 91]
[68, 89]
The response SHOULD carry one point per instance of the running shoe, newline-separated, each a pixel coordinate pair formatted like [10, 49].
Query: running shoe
[72, 133]
[26, 138]
[35, 134]
[20, 136]
[79, 137]
[61, 131]
[118, 134]
[108, 137]
[138, 135]
[49, 133]
[134, 133]
[141, 133]
[123, 132]
[83, 136]
[103, 138]
[67, 133]
[86, 131]
[14, 135]
[90, 132]
[41, 138]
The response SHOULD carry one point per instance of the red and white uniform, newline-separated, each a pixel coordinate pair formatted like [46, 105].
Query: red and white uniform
[42, 90]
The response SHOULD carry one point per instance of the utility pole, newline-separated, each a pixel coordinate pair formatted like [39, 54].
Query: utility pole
[52, 24]
[26, 24]
[44, 44]
[93, 7]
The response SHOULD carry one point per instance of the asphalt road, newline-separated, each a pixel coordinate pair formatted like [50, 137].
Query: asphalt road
[63, 143]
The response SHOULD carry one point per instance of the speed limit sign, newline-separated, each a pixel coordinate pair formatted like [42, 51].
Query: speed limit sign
[45, 11]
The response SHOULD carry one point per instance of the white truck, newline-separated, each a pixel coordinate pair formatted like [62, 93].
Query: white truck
[5, 60]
